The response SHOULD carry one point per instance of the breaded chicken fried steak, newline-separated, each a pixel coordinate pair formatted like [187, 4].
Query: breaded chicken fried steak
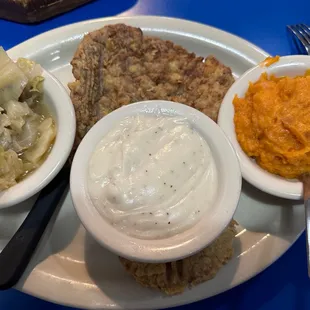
[172, 278]
[118, 65]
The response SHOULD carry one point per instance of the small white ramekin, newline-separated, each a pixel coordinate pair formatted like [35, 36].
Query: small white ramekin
[260, 178]
[184, 244]
[60, 105]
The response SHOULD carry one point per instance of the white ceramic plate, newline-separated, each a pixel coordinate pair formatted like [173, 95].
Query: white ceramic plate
[70, 268]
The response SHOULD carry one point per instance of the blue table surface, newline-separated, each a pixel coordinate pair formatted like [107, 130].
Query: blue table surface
[284, 285]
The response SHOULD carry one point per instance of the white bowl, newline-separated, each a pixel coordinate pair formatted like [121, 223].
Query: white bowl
[61, 108]
[260, 178]
[183, 244]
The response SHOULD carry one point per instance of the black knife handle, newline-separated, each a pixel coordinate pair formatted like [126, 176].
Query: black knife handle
[16, 255]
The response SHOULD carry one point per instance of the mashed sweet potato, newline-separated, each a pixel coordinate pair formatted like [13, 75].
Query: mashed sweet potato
[272, 124]
[270, 60]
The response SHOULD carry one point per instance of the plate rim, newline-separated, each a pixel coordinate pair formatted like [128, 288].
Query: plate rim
[60, 31]
[147, 18]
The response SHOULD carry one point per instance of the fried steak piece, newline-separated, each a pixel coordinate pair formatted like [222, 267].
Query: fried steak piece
[173, 278]
[118, 65]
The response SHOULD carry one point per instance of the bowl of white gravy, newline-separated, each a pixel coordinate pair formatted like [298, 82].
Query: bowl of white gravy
[155, 181]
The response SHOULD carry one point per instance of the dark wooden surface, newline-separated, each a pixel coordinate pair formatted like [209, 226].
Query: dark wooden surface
[34, 11]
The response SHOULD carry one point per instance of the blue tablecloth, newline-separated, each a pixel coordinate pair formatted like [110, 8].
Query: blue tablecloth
[284, 285]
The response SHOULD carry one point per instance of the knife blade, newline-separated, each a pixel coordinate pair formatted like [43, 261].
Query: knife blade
[16, 255]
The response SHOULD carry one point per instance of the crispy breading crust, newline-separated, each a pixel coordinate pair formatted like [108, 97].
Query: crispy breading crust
[173, 278]
[118, 65]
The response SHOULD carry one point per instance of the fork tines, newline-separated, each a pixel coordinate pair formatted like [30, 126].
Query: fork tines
[301, 36]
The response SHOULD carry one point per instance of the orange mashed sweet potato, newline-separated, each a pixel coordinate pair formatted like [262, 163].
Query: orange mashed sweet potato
[270, 60]
[272, 124]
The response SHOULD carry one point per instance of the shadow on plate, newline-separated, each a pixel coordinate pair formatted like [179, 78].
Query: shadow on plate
[260, 212]
[106, 271]
[65, 228]
[108, 274]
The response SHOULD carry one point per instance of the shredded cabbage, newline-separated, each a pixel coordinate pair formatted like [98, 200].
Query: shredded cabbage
[26, 133]
[28, 136]
[33, 92]
[4, 122]
[12, 79]
[31, 69]
[47, 134]
[6, 139]
[11, 168]
[16, 112]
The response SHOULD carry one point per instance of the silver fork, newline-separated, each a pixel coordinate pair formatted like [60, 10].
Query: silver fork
[301, 37]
